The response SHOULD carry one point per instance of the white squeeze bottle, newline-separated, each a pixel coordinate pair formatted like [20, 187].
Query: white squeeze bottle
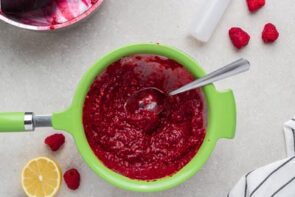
[205, 24]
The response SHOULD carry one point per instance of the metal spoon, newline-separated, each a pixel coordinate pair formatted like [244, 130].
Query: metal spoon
[152, 99]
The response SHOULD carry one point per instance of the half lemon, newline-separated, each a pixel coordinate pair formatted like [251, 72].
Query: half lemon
[41, 177]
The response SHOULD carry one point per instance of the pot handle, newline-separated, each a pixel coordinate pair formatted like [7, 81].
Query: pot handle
[12, 121]
[63, 120]
[22, 121]
[226, 114]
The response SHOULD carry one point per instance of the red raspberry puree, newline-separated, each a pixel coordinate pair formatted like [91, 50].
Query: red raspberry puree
[145, 145]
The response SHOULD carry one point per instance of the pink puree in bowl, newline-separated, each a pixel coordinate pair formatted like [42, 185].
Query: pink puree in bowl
[54, 14]
[144, 146]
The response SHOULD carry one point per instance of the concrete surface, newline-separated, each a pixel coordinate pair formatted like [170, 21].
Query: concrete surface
[39, 72]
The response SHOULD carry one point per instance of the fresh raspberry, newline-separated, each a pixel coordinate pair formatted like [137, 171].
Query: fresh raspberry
[55, 141]
[270, 33]
[239, 37]
[254, 5]
[72, 179]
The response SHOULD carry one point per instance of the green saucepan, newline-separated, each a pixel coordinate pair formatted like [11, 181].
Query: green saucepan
[221, 120]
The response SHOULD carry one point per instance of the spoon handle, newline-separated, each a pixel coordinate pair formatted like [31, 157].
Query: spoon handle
[234, 68]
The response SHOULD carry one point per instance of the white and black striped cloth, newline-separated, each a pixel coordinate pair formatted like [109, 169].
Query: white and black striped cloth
[274, 180]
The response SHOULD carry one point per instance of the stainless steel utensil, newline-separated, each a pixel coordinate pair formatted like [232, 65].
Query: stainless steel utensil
[156, 97]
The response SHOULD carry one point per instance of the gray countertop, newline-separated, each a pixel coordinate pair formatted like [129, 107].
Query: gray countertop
[39, 72]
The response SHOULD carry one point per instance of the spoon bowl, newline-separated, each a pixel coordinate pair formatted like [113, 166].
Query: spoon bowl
[148, 99]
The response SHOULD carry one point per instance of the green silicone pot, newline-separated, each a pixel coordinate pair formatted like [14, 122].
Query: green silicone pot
[221, 120]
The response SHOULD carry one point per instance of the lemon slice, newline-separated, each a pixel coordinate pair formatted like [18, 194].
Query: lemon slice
[41, 177]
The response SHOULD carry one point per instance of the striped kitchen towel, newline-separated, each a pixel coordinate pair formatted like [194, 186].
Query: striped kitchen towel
[276, 179]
